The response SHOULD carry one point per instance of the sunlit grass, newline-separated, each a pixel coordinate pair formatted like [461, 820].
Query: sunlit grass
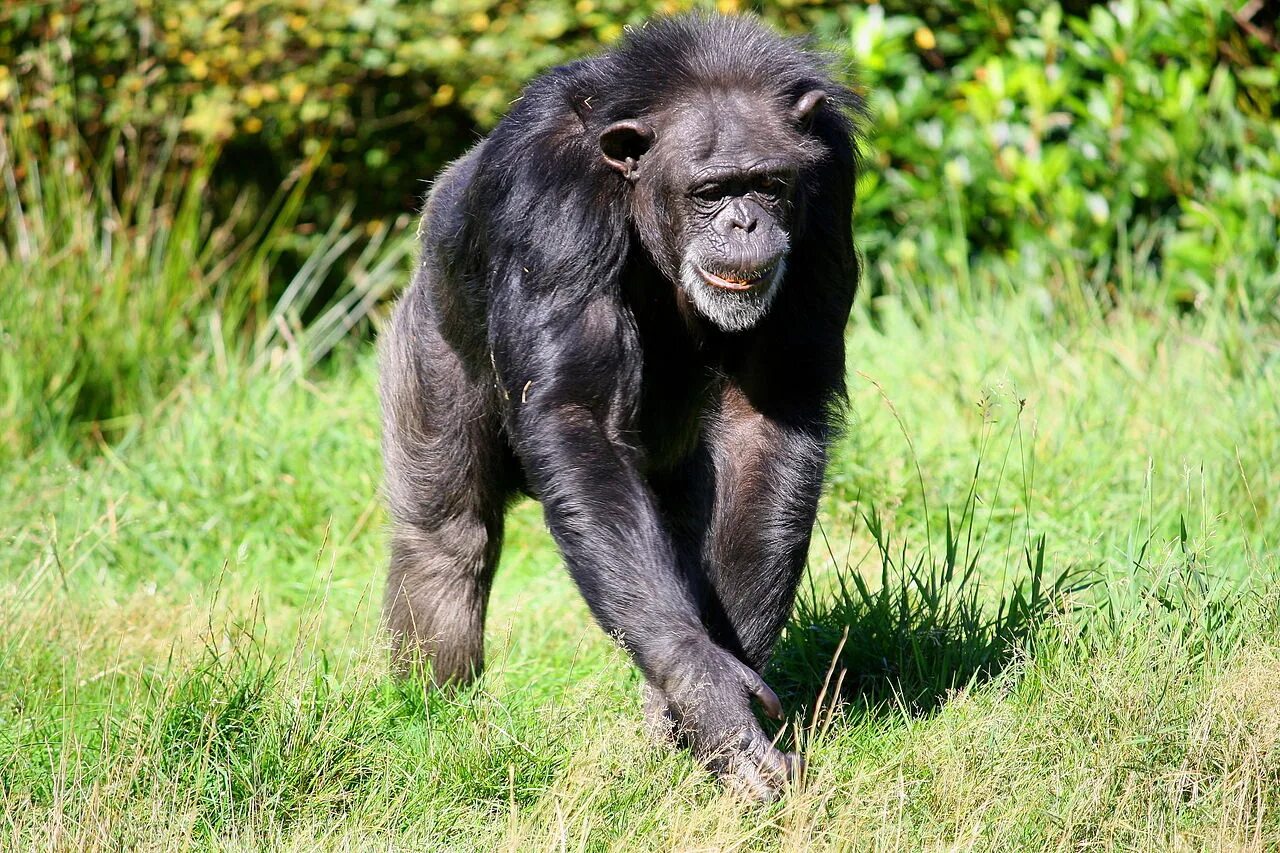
[1047, 559]
[188, 647]
[116, 280]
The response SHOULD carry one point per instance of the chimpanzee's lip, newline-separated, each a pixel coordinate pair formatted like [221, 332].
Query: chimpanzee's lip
[732, 282]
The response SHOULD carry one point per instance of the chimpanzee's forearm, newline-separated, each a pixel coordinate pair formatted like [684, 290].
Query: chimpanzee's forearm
[604, 518]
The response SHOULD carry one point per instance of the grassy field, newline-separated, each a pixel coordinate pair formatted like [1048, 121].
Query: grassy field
[1043, 608]
[1042, 611]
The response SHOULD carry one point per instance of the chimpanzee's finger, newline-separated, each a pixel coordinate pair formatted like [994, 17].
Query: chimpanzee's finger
[769, 700]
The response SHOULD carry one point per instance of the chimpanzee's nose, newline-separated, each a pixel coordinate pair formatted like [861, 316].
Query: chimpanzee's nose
[742, 219]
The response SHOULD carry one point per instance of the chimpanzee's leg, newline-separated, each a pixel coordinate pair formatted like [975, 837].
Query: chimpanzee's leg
[447, 481]
[768, 477]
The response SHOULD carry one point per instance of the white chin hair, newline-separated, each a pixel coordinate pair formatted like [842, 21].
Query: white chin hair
[730, 310]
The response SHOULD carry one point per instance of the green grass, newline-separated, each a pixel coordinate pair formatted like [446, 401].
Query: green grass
[1043, 606]
[188, 647]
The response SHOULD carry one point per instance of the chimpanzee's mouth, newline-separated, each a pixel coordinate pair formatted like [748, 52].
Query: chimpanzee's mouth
[738, 280]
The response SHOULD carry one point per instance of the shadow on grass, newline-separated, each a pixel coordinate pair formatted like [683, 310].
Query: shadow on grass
[929, 627]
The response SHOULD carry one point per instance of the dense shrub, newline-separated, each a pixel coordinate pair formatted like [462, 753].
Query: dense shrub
[390, 90]
[997, 125]
[1132, 121]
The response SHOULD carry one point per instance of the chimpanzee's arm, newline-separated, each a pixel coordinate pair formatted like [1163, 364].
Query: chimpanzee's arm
[603, 518]
[572, 383]
[571, 377]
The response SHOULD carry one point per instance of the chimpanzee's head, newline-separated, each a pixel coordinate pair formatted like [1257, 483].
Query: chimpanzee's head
[715, 192]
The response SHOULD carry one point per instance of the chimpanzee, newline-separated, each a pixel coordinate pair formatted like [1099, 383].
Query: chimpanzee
[631, 305]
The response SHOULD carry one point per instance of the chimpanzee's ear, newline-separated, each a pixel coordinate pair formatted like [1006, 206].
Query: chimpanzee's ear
[623, 142]
[805, 109]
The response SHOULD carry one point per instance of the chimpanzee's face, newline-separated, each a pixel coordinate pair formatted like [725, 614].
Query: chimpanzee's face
[715, 192]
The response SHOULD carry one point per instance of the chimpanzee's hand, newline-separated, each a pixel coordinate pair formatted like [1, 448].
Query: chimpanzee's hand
[708, 697]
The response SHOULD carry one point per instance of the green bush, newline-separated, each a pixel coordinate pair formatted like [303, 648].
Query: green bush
[388, 90]
[1083, 134]
[999, 127]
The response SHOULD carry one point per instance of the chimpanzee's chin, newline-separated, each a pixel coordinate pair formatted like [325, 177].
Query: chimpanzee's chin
[730, 310]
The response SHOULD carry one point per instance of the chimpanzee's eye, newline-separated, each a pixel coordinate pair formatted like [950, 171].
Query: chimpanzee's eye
[769, 185]
[710, 192]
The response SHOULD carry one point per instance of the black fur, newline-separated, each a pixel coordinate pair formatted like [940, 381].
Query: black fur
[559, 339]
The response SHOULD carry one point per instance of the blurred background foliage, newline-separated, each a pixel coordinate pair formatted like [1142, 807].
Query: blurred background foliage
[254, 165]
[1074, 126]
